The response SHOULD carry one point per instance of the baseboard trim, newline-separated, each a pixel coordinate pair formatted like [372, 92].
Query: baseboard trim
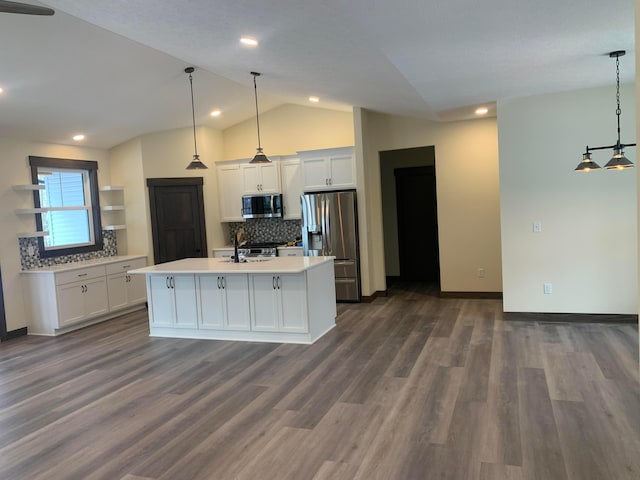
[371, 298]
[570, 317]
[480, 295]
[20, 332]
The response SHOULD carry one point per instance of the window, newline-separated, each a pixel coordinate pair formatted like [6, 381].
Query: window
[70, 203]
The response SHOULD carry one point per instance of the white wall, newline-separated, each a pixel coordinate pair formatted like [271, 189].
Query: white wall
[165, 155]
[466, 156]
[588, 245]
[288, 129]
[16, 171]
[126, 167]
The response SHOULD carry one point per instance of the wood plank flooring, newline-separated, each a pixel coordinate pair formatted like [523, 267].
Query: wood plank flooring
[410, 386]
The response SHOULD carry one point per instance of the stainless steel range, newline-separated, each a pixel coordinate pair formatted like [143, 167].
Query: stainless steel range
[259, 250]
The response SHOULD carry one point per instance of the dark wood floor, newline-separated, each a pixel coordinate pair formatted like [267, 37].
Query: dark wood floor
[408, 387]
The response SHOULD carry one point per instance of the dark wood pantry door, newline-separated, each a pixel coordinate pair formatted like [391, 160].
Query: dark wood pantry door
[417, 224]
[177, 218]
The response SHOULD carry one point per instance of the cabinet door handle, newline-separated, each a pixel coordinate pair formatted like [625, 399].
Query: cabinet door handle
[331, 181]
[166, 281]
[278, 282]
[224, 282]
[82, 275]
[126, 266]
[326, 181]
[173, 282]
[218, 281]
[273, 282]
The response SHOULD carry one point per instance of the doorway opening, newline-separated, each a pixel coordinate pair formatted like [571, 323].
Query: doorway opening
[410, 220]
[177, 218]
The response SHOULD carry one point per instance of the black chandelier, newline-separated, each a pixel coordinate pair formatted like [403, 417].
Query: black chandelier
[618, 161]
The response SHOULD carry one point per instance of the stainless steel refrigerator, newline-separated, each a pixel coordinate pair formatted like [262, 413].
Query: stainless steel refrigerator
[330, 227]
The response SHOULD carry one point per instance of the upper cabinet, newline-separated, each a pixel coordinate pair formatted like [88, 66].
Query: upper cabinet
[230, 190]
[292, 175]
[291, 187]
[329, 169]
[260, 177]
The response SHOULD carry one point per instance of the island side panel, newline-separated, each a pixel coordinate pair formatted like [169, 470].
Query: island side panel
[321, 297]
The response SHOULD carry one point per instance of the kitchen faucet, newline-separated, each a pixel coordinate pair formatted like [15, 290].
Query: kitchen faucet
[236, 258]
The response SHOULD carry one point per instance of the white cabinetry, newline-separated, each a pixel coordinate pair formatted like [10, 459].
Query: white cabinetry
[282, 300]
[222, 252]
[278, 303]
[261, 177]
[83, 299]
[224, 302]
[66, 297]
[125, 289]
[330, 169]
[291, 188]
[290, 251]
[173, 300]
[230, 190]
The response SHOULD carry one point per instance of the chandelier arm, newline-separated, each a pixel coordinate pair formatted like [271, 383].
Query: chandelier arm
[608, 147]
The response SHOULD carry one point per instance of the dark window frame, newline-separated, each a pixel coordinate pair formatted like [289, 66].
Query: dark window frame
[63, 163]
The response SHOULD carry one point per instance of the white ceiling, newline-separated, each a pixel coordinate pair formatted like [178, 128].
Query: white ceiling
[115, 69]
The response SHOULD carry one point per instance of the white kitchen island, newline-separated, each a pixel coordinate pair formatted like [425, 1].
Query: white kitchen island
[280, 299]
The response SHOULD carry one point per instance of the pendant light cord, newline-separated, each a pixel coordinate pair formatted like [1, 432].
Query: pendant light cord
[193, 116]
[255, 91]
[618, 110]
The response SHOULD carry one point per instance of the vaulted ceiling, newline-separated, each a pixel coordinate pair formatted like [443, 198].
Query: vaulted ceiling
[115, 69]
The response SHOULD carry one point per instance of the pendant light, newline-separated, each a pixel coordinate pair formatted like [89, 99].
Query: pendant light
[618, 161]
[195, 164]
[260, 156]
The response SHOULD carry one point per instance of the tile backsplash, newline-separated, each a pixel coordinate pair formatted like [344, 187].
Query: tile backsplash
[27, 244]
[258, 230]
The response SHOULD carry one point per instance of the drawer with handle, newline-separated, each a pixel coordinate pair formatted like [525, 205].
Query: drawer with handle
[80, 274]
[125, 265]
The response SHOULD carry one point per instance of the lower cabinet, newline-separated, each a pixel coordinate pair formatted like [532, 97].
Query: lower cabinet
[125, 289]
[78, 301]
[236, 302]
[62, 299]
[278, 303]
[173, 300]
[224, 302]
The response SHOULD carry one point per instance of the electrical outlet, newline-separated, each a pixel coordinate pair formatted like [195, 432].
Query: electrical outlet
[481, 273]
[548, 289]
[537, 227]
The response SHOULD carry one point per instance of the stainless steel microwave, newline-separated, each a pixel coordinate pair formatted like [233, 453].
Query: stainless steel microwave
[261, 206]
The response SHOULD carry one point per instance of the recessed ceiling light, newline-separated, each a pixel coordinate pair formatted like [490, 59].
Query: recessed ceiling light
[314, 99]
[215, 113]
[249, 41]
[482, 111]
[1, 90]
[78, 137]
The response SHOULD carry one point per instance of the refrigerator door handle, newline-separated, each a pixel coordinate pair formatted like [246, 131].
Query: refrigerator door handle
[326, 247]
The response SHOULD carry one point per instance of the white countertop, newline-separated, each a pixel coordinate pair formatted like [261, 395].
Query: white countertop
[63, 267]
[223, 265]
